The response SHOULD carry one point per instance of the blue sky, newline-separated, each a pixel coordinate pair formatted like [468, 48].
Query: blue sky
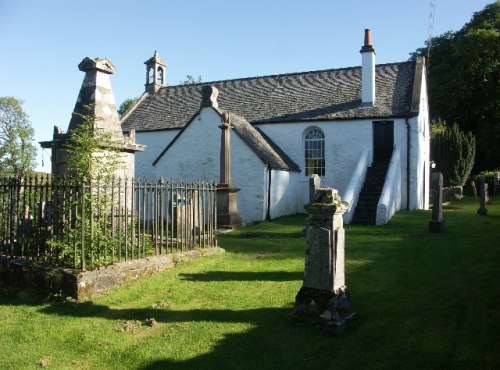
[42, 42]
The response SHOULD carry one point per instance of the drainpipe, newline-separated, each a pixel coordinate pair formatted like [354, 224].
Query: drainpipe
[268, 213]
[407, 164]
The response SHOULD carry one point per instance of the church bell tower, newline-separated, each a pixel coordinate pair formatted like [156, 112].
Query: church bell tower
[156, 71]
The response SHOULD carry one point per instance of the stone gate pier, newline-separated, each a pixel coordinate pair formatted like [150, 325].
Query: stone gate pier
[323, 298]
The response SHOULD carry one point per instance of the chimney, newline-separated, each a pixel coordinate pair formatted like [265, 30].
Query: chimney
[368, 70]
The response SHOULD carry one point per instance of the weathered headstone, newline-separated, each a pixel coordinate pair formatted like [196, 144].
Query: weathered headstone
[323, 298]
[314, 184]
[483, 188]
[436, 225]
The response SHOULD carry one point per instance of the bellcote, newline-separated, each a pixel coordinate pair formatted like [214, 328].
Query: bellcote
[156, 71]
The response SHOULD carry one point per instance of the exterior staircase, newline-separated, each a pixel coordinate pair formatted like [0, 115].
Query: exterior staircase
[366, 208]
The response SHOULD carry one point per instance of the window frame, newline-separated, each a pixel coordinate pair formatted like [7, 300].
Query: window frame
[314, 152]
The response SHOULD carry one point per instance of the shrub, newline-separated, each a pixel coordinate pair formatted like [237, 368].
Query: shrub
[489, 178]
[453, 151]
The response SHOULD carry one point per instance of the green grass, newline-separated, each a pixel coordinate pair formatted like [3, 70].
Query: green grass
[422, 301]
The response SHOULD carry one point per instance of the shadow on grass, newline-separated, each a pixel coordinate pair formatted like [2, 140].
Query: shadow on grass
[270, 235]
[272, 340]
[244, 276]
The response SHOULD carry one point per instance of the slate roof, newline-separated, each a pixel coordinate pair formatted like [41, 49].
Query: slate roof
[262, 146]
[255, 139]
[332, 94]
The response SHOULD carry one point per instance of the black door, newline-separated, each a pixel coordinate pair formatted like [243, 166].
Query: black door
[383, 141]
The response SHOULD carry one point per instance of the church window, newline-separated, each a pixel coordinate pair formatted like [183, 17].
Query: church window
[314, 152]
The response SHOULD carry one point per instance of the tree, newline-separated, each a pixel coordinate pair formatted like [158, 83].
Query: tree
[463, 74]
[125, 106]
[453, 151]
[191, 80]
[17, 151]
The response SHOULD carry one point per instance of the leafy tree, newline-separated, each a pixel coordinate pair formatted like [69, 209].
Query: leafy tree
[453, 151]
[17, 151]
[463, 72]
[191, 80]
[124, 107]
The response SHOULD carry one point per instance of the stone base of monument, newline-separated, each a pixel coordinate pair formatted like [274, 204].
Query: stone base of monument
[436, 226]
[327, 310]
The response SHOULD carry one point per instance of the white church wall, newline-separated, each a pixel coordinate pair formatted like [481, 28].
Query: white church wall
[400, 140]
[287, 193]
[155, 142]
[344, 143]
[424, 147]
[249, 175]
[195, 154]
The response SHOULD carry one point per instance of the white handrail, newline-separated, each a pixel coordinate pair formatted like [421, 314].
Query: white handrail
[351, 193]
[390, 199]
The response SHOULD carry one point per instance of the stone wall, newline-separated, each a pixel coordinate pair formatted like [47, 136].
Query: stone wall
[85, 284]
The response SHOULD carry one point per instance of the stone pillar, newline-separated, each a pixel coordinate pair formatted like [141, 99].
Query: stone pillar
[323, 298]
[482, 211]
[436, 225]
[227, 205]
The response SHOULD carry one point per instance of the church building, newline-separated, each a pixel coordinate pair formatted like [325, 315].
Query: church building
[363, 130]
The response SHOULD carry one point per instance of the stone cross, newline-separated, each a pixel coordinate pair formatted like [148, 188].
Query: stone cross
[227, 205]
[482, 211]
[436, 225]
[323, 298]
[225, 151]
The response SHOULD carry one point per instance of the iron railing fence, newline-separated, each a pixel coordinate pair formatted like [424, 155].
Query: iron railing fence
[80, 223]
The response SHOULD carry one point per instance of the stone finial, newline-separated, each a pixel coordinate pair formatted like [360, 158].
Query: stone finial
[210, 94]
[99, 64]
[57, 130]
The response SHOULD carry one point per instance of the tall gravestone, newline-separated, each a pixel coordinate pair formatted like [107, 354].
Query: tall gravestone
[323, 298]
[482, 211]
[436, 225]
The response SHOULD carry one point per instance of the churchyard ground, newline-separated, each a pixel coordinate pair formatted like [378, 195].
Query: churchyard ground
[422, 300]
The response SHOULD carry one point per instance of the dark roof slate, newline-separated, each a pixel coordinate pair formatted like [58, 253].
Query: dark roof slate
[320, 95]
[262, 145]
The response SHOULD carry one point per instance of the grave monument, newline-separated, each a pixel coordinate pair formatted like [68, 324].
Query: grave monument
[323, 298]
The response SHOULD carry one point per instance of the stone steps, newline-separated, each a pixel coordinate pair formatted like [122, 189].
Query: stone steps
[366, 208]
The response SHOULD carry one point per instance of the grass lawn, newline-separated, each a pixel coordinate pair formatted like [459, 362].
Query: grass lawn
[422, 301]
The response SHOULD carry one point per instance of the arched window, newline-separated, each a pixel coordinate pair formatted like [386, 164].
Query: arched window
[159, 78]
[314, 152]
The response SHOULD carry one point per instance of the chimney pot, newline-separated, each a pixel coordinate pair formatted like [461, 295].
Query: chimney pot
[368, 37]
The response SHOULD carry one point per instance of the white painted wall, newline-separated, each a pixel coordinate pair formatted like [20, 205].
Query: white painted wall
[195, 154]
[249, 175]
[288, 193]
[344, 143]
[155, 142]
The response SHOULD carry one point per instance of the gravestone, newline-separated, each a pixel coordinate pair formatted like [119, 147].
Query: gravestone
[483, 189]
[314, 184]
[436, 225]
[323, 298]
